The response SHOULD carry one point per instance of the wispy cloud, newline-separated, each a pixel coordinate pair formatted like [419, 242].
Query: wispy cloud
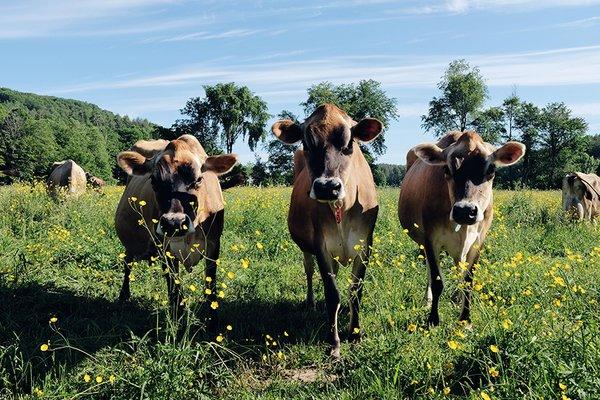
[554, 67]
[464, 6]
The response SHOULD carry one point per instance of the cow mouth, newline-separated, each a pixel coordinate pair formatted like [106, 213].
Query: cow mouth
[168, 229]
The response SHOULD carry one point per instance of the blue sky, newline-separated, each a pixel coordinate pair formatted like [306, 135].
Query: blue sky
[145, 58]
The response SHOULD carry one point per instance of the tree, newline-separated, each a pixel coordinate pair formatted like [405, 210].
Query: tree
[463, 94]
[510, 107]
[259, 173]
[528, 120]
[227, 112]
[489, 124]
[562, 138]
[365, 99]
[280, 162]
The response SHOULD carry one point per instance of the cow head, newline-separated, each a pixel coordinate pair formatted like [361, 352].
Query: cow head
[177, 176]
[469, 166]
[329, 138]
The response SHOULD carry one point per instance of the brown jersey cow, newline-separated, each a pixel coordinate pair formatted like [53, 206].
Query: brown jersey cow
[66, 178]
[183, 207]
[446, 203]
[581, 194]
[334, 204]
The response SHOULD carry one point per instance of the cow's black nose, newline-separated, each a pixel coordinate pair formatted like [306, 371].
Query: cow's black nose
[327, 189]
[465, 214]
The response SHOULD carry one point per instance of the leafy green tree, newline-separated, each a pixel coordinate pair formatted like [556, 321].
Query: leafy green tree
[227, 111]
[259, 173]
[280, 162]
[364, 99]
[490, 124]
[511, 107]
[463, 94]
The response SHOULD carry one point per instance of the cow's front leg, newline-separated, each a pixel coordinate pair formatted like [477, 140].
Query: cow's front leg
[125, 293]
[472, 258]
[173, 288]
[309, 270]
[332, 300]
[359, 268]
[436, 281]
[213, 250]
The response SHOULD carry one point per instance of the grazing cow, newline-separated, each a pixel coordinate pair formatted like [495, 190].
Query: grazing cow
[183, 210]
[94, 181]
[581, 194]
[334, 204]
[446, 203]
[66, 177]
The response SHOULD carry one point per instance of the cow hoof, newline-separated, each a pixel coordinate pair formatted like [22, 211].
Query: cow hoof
[355, 338]
[123, 299]
[334, 353]
[434, 320]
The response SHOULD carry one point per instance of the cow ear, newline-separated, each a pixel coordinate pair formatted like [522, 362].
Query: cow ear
[220, 164]
[287, 131]
[430, 153]
[134, 163]
[367, 129]
[508, 154]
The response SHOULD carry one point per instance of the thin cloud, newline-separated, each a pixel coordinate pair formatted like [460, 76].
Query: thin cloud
[556, 67]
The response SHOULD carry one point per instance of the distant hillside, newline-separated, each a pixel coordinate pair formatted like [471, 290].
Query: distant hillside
[37, 130]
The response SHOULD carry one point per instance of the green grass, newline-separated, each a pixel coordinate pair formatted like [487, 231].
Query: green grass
[536, 300]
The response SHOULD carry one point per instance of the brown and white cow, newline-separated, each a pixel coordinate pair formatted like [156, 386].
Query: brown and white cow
[334, 204]
[94, 181]
[581, 194]
[446, 203]
[183, 208]
[67, 178]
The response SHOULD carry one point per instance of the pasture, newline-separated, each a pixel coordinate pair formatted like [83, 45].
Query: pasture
[535, 310]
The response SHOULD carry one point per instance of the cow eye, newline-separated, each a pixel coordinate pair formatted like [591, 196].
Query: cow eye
[447, 172]
[196, 183]
[347, 150]
[491, 169]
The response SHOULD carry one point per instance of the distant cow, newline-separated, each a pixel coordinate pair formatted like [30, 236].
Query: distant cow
[446, 203]
[580, 193]
[66, 177]
[182, 207]
[334, 204]
[94, 181]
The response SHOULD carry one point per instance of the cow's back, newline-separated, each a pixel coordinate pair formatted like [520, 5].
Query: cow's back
[133, 235]
[67, 176]
[424, 199]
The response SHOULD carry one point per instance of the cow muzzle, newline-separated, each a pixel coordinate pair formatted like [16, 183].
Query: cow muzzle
[327, 189]
[466, 213]
[175, 224]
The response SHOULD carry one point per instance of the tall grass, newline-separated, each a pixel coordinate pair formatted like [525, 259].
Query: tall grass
[535, 310]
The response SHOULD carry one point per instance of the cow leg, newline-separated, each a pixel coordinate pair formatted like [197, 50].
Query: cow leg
[472, 258]
[174, 289]
[213, 250]
[309, 269]
[125, 293]
[359, 267]
[436, 282]
[332, 299]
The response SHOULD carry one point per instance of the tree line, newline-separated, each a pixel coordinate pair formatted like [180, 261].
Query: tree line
[38, 130]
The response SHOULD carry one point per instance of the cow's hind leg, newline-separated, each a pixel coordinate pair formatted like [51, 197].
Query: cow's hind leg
[436, 282]
[309, 269]
[125, 293]
[332, 299]
[359, 268]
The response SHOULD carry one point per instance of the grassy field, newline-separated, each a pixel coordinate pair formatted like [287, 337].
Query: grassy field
[535, 310]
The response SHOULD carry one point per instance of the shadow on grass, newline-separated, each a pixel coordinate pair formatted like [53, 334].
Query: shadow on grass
[88, 324]
[91, 324]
